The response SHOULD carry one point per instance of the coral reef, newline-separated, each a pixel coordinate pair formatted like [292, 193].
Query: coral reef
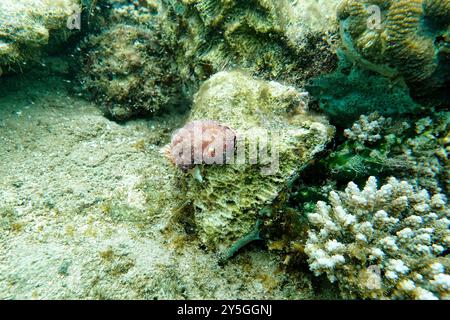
[413, 150]
[410, 41]
[92, 208]
[275, 138]
[352, 91]
[28, 27]
[274, 39]
[390, 242]
[129, 69]
[367, 129]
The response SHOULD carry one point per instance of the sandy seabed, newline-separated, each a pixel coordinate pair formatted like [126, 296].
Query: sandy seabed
[86, 206]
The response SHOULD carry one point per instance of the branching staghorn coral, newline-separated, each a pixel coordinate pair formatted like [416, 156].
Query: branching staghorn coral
[367, 129]
[411, 41]
[388, 242]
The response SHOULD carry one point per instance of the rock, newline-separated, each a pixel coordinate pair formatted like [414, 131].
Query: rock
[129, 71]
[70, 230]
[281, 40]
[230, 199]
[28, 27]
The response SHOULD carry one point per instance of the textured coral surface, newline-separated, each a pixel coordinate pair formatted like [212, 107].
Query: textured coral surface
[410, 41]
[128, 69]
[415, 150]
[278, 40]
[386, 242]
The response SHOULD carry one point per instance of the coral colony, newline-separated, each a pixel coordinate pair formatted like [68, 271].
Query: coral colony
[411, 42]
[399, 229]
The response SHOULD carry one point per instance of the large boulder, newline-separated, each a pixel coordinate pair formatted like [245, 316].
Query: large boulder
[230, 201]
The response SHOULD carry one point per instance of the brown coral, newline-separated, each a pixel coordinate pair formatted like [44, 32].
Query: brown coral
[411, 41]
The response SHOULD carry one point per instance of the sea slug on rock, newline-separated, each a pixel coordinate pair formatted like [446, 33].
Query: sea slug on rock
[230, 200]
[201, 142]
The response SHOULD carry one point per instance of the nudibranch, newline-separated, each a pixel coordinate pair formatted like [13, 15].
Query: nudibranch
[201, 142]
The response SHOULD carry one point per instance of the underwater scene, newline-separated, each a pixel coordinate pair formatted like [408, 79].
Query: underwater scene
[225, 149]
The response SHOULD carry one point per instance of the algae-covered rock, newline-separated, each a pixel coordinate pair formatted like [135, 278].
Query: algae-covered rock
[83, 201]
[128, 69]
[230, 199]
[275, 39]
[27, 27]
[181, 43]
